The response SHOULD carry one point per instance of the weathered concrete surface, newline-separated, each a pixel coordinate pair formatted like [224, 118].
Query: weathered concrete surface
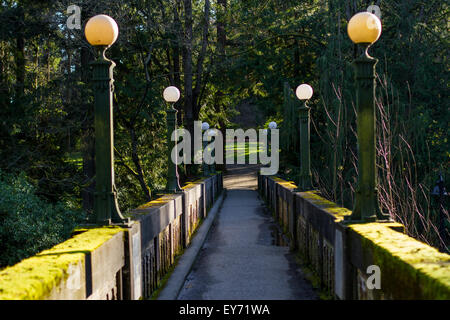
[240, 259]
[177, 278]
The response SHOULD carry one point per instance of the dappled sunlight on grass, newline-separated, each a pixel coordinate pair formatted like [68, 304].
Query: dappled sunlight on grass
[243, 149]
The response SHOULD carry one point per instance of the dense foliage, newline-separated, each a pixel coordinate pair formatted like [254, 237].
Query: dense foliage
[223, 55]
[27, 223]
[412, 112]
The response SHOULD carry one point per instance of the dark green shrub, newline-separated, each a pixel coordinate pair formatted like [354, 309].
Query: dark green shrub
[29, 224]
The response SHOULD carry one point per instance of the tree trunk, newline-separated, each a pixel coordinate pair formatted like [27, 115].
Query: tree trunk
[88, 134]
[176, 57]
[137, 162]
[201, 58]
[187, 64]
[20, 56]
[221, 42]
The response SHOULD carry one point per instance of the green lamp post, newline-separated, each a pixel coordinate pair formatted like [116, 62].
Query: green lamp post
[101, 32]
[171, 95]
[272, 125]
[264, 147]
[304, 92]
[205, 166]
[212, 133]
[364, 29]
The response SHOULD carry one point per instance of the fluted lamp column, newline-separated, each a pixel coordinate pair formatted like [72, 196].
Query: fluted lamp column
[304, 92]
[101, 32]
[364, 29]
[171, 96]
[264, 147]
[272, 125]
[211, 134]
[205, 166]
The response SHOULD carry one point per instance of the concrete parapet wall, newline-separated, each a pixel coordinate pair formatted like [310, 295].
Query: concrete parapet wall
[340, 254]
[87, 266]
[112, 262]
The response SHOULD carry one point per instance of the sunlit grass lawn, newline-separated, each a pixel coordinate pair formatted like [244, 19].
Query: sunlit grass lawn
[242, 149]
[76, 158]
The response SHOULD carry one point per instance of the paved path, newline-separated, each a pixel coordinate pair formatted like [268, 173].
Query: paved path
[240, 259]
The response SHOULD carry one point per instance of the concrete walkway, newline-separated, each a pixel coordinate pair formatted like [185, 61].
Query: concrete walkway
[241, 259]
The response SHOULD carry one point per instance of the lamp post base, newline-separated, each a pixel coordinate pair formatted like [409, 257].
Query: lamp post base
[172, 185]
[170, 191]
[93, 223]
[385, 219]
[366, 209]
[300, 189]
[305, 183]
[312, 189]
[163, 192]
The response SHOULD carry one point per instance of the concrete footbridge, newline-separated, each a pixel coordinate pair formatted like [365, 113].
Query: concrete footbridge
[245, 256]
[242, 236]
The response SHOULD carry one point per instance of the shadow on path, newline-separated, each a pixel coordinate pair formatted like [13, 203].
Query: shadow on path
[244, 257]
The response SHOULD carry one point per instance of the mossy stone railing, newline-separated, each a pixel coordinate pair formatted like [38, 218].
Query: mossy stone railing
[67, 271]
[112, 262]
[339, 254]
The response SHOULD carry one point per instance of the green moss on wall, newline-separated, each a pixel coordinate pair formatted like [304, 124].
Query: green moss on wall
[34, 278]
[284, 183]
[409, 268]
[191, 184]
[156, 203]
[326, 205]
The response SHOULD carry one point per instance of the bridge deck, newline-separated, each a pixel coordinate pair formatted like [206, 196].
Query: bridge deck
[242, 258]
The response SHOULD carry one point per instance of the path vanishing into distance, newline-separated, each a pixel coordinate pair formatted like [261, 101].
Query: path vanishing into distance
[244, 257]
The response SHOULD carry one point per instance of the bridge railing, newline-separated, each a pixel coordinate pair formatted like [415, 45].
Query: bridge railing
[345, 258]
[112, 262]
[167, 225]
